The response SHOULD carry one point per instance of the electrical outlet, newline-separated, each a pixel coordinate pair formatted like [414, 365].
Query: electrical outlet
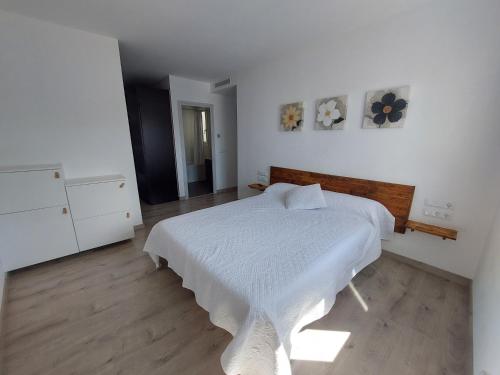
[439, 204]
[437, 213]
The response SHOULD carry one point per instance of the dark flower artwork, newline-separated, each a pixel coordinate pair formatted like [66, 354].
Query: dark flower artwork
[386, 109]
[389, 108]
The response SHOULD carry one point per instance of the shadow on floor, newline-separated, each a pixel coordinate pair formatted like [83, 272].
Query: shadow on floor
[199, 188]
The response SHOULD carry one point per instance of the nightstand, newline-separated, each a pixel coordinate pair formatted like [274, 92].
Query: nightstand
[434, 230]
[260, 187]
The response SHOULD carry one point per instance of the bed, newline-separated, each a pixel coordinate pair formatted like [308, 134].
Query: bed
[263, 271]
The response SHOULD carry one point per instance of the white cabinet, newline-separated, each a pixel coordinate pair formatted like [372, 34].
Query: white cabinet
[25, 189]
[35, 220]
[100, 210]
[31, 237]
[43, 217]
[102, 230]
[97, 196]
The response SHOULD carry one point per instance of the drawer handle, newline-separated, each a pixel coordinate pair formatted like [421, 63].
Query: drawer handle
[64, 211]
[57, 174]
[128, 215]
[122, 185]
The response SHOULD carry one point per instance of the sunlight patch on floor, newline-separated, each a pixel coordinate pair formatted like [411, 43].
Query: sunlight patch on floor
[358, 297]
[318, 345]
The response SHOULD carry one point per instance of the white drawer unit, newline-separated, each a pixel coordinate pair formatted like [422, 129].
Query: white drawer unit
[29, 188]
[100, 210]
[31, 237]
[91, 197]
[35, 220]
[102, 230]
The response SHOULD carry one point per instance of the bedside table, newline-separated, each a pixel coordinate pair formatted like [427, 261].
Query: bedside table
[434, 230]
[260, 187]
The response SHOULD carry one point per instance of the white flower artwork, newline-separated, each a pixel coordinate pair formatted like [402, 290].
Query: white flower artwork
[331, 113]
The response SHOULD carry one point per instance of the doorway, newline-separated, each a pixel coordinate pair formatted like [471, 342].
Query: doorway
[197, 130]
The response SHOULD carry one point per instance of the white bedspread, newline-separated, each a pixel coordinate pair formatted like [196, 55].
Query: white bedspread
[263, 272]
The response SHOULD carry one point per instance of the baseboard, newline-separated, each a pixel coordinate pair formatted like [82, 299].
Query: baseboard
[2, 319]
[3, 299]
[469, 362]
[430, 269]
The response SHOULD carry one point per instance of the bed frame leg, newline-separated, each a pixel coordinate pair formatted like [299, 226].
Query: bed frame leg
[162, 263]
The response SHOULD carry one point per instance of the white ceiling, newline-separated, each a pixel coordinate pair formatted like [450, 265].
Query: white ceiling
[208, 39]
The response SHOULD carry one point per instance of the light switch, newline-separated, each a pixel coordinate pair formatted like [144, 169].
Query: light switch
[440, 204]
[262, 179]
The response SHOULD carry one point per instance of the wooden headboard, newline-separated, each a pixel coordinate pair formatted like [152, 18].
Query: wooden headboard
[395, 197]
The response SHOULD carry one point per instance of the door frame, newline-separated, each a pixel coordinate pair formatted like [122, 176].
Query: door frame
[210, 107]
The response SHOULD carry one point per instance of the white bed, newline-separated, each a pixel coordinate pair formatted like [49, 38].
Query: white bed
[263, 271]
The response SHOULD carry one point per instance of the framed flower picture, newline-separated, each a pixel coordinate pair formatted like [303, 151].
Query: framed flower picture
[292, 116]
[386, 108]
[331, 113]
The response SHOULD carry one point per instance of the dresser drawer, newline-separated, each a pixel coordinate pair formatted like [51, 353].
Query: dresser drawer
[29, 190]
[89, 200]
[32, 237]
[103, 230]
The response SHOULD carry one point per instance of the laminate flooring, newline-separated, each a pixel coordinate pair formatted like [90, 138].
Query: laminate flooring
[108, 311]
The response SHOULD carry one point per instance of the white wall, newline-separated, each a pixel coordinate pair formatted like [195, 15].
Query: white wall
[224, 114]
[486, 316]
[449, 53]
[62, 100]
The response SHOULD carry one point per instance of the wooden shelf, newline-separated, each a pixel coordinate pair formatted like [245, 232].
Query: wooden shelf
[260, 187]
[445, 233]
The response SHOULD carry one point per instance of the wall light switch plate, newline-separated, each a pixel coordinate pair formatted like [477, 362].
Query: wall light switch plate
[440, 204]
[262, 179]
[261, 173]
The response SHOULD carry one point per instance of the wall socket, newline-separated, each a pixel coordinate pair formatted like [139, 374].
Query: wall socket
[439, 209]
[438, 213]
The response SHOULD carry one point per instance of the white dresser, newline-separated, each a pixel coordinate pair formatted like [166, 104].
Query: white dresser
[100, 210]
[35, 220]
[43, 216]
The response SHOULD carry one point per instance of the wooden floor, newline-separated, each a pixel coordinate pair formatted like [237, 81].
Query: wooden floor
[109, 312]
[198, 188]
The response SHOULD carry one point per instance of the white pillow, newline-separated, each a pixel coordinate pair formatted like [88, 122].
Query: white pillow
[280, 187]
[307, 197]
